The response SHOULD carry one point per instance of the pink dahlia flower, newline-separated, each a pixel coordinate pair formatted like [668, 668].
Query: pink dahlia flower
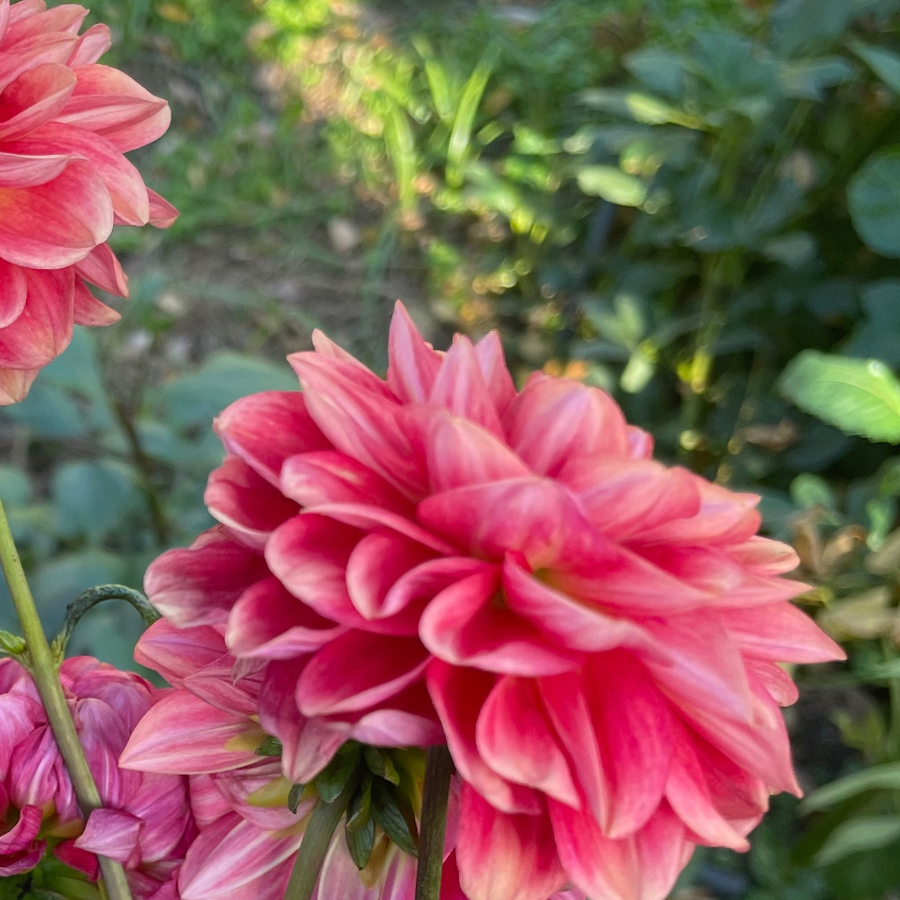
[65, 123]
[438, 556]
[146, 823]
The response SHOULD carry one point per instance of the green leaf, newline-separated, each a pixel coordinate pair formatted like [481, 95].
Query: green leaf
[874, 201]
[271, 746]
[392, 811]
[809, 491]
[857, 396]
[15, 486]
[612, 184]
[883, 777]
[640, 107]
[660, 70]
[884, 63]
[857, 835]
[295, 795]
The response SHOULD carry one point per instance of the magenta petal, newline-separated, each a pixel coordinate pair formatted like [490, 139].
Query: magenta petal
[20, 171]
[427, 580]
[33, 98]
[515, 738]
[489, 352]
[458, 695]
[267, 622]
[100, 267]
[178, 652]
[13, 293]
[91, 46]
[358, 670]
[44, 327]
[113, 833]
[413, 363]
[409, 720]
[265, 429]
[504, 857]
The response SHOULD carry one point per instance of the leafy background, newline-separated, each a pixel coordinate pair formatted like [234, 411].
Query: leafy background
[694, 204]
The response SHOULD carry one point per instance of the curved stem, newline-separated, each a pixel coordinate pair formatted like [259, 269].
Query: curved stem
[438, 769]
[316, 841]
[89, 599]
[45, 673]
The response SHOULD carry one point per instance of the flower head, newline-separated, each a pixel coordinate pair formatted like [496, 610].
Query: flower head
[438, 556]
[145, 823]
[65, 123]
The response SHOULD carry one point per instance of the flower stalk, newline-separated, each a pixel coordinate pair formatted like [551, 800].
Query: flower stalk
[39, 660]
[435, 795]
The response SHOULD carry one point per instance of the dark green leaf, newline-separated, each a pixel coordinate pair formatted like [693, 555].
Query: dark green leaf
[884, 63]
[874, 200]
[93, 498]
[855, 835]
[381, 764]
[883, 777]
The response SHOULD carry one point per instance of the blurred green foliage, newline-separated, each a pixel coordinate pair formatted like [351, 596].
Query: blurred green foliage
[694, 204]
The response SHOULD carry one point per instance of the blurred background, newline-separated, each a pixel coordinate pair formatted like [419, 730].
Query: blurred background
[694, 204]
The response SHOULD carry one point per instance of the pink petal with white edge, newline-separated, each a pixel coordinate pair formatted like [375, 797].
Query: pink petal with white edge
[346, 365]
[489, 352]
[462, 453]
[265, 429]
[13, 293]
[246, 503]
[162, 213]
[640, 443]
[426, 581]
[326, 476]
[781, 633]
[66, 17]
[44, 328]
[775, 680]
[15, 384]
[18, 171]
[200, 585]
[413, 363]
[35, 51]
[183, 734]
[643, 867]
[91, 46]
[409, 721]
[34, 98]
[113, 105]
[21, 836]
[178, 652]
[515, 738]
[764, 556]
[113, 833]
[57, 223]
[88, 310]
[468, 625]
[634, 728]
[458, 695]
[358, 670]
[101, 268]
[267, 622]
[504, 857]
[229, 855]
[553, 420]
[460, 387]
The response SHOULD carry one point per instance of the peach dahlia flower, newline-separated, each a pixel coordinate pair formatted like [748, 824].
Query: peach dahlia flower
[439, 557]
[65, 124]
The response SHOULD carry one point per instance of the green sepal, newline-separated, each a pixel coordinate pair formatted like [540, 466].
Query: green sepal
[381, 764]
[359, 812]
[271, 746]
[394, 813]
[360, 843]
[295, 795]
[338, 772]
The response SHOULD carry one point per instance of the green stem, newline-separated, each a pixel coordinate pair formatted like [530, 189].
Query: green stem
[435, 794]
[315, 844]
[46, 678]
[88, 600]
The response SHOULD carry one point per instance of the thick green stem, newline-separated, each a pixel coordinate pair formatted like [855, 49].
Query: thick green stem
[315, 844]
[46, 678]
[435, 795]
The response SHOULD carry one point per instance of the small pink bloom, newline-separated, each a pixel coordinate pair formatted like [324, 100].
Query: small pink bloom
[440, 557]
[65, 123]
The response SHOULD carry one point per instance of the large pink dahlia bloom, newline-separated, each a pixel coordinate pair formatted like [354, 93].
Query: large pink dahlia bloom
[146, 822]
[65, 123]
[438, 556]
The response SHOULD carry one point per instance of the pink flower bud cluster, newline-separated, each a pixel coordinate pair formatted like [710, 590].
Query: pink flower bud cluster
[146, 822]
[439, 557]
[66, 122]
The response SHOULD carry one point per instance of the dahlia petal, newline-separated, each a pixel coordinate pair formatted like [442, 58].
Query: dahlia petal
[309, 554]
[426, 581]
[764, 556]
[44, 328]
[231, 854]
[217, 684]
[32, 52]
[14, 384]
[640, 443]
[265, 429]
[33, 98]
[363, 423]
[377, 562]
[238, 497]
[326, 476]
[182, 734]
[23, 832]
[463, 625]
[113, 833]
[634, 727]
[460, 388]
[101, 268]
[19, 715]
[553, 420]
[504, 857]
[349, 366]
[21, 10]
[13, 293]
[66, 17]
[57, 223]
[88, 310]
[20, 171]
[178, 652]
[462, 453]
[91, 46]
[80, 860]
[162, 213]
[411, 721]
[499, 383]
[4, 17]
[624, 497]
[380, 666]
[267, 622]
[642, 867]
[103, 735]
[113, 105]
[781, 633]
[775, 680]
[412, 363]
[515, 738]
